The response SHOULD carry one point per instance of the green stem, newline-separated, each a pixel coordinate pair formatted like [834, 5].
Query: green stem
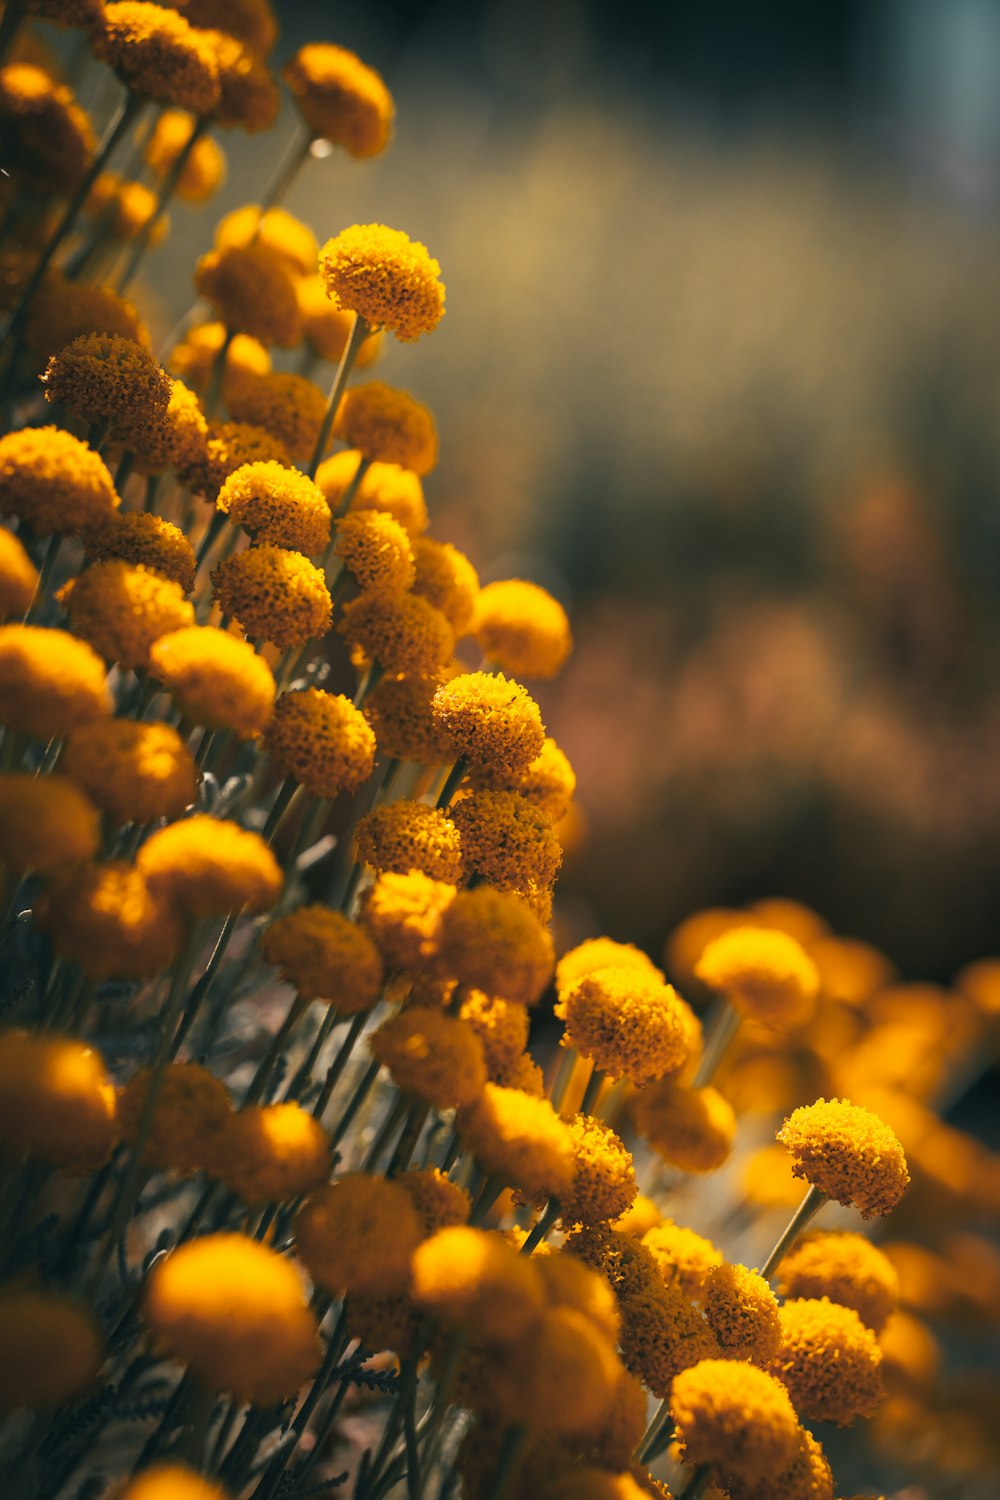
[339, 1064]
[452, 782]
[407, 1143]
[288, 169]
[359, 331]
[280, 1040]
[806, 1211]
[165, 193]
[723, 1033]
[290, 794]
[217, 374]
[564, 1072]
[541, 1228]
[355, 1102]
[590, 1094]
[44, 578]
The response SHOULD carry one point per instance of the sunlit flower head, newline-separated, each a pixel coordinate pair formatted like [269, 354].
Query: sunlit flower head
[388, 426]
[400, 712]
[133, 771]
[53, 481]
[49, 681]
[280, 232]
[288, 406]
[522, 628]
[384, 487]
[431, 1056]
[326, 957]
[500, 1025]
[194, 357]
[693, 1129]
[684, 1258]
[507, 840]
[137, 536]
[275, 594]
[45, 823]
[18, 576]
[322, 740]
[248, 95]
[474, 1281]
[626, 1263]
[251, 290]
[170, 1481]
[252, 22]
[386, 278]
[57, 1103]
[403, 633]
[64, 310]
[403, 913]
[520, 1139]
[124, 209]
[446, 577]
[807, 1476]
[48, 140]
[121, 608]
[735, 1416]
[377, 551]
[99, 377]
[107, 920]
[604, 1184]
[829, 1360]
[189, 1119]
[341, 99]
[629, 1023]
[848, 1153]
[742, 1312]
[205, 169]
[155, 52]
[217, 680]
[763, 973]
[489, 720]
[277, 504]
[848, 1269]
[51, 1347]
[406, 835]
[228, 446]
[209, 867]
[490, 941]
[358, 1234]
[663, 1334]
[273, 1152]
[176, 439]
[549, 782]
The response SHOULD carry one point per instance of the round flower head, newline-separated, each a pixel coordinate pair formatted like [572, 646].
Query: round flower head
[522, 1073]
[386, 278]
[506, 840]
[18, 576]
[384, 487]
[522, 628]
[273, 1152]
[520, 1139]
[203, 172]
[431, 1056]
[228, 446]
[51, 480]
[473, 1280]
[107, 920]
[45, 822]
[389, 426]
[194, 357]
[848, 1269]
[604, 1185]
[643, 1215]
[49, 682]
[48, 140]
[248, 95]
[848, 1153]
[217, 680]
[403, 914]
[438, 1201]
[124, 208]
[252, 291]
[662, 1334]
[289, 406]
[322, 740]
[57, 1104]
[830, 1362]
[684, 1259]
[626, 1263]
[491, 941]
[400, 712]
[276, 229]
[236, 1313]
[167, 1481]
[155, 52]
[446, 578]
[136, 772]
[101, 378]
[341, 99]
[325, 957]
[693, 1129]
[548, 782]
[251, 22]
[209, 867]
[276, 595]
[630, 1024]
[489, 720]
[328, 327]
[501, 1027]
[559, 1379]
[742, 1312]
[189, 1122]
[178, 439]
[121, 608]
[402, 633]
[140, 537]
[357, 1235]
[277, 504]
[807, 1477]
[50, 1348]
[570, 1283]
[763, 973]
[404, 836]
[735, 1417]
[65, 310]
[602, 953]
[377, 551]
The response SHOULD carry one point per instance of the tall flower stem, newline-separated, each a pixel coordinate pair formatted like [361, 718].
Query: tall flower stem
[542, 1227]
[338, 1065]
[652, 1440]
[280, 1040]
[720, 1039]
[452, 782]
[296, 155]
[166, 191]
[806, 1211]
[44, 577]
[357, 336]
[10, 25]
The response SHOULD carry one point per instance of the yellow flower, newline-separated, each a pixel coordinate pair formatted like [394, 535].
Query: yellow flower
[693, 1129]
[169, 1481]
[684, 1259]
[251, 290]
[228, 446]
[341, 99]
[446, 578]
[50, 1348]
[384, 487]
[432, 1056]
[570, 1283]
[491, 941]
[276, 229]
[121, 608]
[136, 772]
[400, 712]
[358, 1234]
[289, 406]
[57, 1104]
[662, 1334]
[248, 95]
[559, 1379]
[439, 1202]
[45, 822]
[643, 1215]
[216, 679]
[194, 357]
[107, 920]
[49, 682]
[474, 1280]
[48, 140]
[277, 504]
[387, 425]
[404, 836]
[209, 867]
[735, 1417]
[377, 551]
[602, 953]
[848, 1269]
[630, 1024]
[626, 1263]
[51, 480]
[507, 840]
[125, 208]
[520, 1139]
[501, 1026]
[763, 973]
[829, 1360]
[177, 439]
[322, 740]
[583, 1483]
[807, 1477]
[386, 278]
[742, 1312]
[549, 782]
[273, 1152]
[849, 970]
[691, 937]
[522, 628]
[328, 327]
[325, 957]
[489, 720]
[18, 576]
[100, 377]
[156, 52]
[140, 537]
[251, 22]
[64, 310]
[235, 1312]
[276, 595]
[403, 914]
[402, 633]
[848, 1153]
[205, 169]
[604, 1185]
[190, 1119]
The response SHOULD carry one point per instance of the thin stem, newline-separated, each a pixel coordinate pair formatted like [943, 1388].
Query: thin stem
[807, 1210]
[590, 1094]
[697, 1484]
[339, 1064]
[10, 24]
[564, 1072]
[721, 1037]
[212, 532]
[289, 168]
[44, 577]
[650, 1442]
[217, 375]
[204, 984]
[542, 1227]
[485, 1199]
[304, 1071]
[290, 794]
[355, 1102]
[281, 1037]
[359, 332]
[452, 782]
[165, 193]
[406, 1145]
[507, 1466]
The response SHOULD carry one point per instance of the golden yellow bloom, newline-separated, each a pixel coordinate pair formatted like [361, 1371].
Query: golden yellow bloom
[629, 1023]
[236, 1313]
[273, 1152]
[121, 608]
[549, 782]
[849, 970]
[491, 941]
[277, 230]
[763, 973]
[205, 169]
[684, 1259]
[177, 439]
[848, 1153]
[228, 446]
[65, 310]
[474, 1280]
[171, 1482]
[520, 1139]
[156, 52]
[100, 377]
[911, 1355]
[807, 1477]
[195, 355]
[404, 836]
[800, 922]
[45, 822]
[559, 1379]
[602, 953]
[251, 22]
[358, 1234]
[432, 1056]
[507, 840]
[501, 1026]
[402, 633]
[446, 577]
[384, 487]
[848, 1269]
[248, 95]
[252, 291]
[48, 140]
[137, 536]
[57, 1104]
[51, 480]
[50, 1348]
[277, 504]
[49, 682]
[626, 1263]
[216, 679]
[325, 957]
[522, 628]
[341, 99]
[570, 1283]
[742, 1312]
[190, 1119]
[643, 1215]
[604, 1185]
[107, 920]
[209, 867]
[734, 1417]
[523, 1073]
[125, 208]
[377, 550]
[585, 1483]
[276, 595]
[136, 772]
[322, 740]
[387, 425]
[403, 914]
[439, 1202]
[662, 1334]
[386, 278]
[489, 720]
[980, 981]
[829, 1360]
[327, 327]
[289, 406]
[691, 937]
[693, 1129]
[18, 576]
[399, 711]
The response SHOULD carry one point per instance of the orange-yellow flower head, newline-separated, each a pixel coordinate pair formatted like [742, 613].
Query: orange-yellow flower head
[742, 1312]
[57, 1104]
[377, 551]
[403, 914]
[631, 1025]
[431, 1056]
[216, 679]
[276, 229]
[549, 782]
[848, 1269]
[830, 1362]
[407, 835]
[602, 953]
[177, 439]
[558, 1380]
[252, 290]
[204, 170]
[763, 973]
[45, 822]
[848, 1153]
[402, 633]
[357, 1235]
[209, 867]
[384, 487]
[155, 52]
[400, 712]
[693, 1129]
[626, 1263]
[289, 406]
[604, 1185]
[522, 628]
[49, 681]
[276, 595]
[662, 1334]
[133, 771]
[124, 208]
[277, 504]
[64, 310]
[101, 378]
[501, 1026]
[121, 608]
[235, 1312]
[194, 357]
[341, 99]
[807, 1477]
[386, 278]
[168, 1481]
[388, 425]
[107, 920]
[507, 840]
[521, 1139]
[50, 1348]
[189, 1119]
[325, 957]
[248, 95]
[684, 1259]
[48, 140]
[446, 577]
[228, 446]
[273, 1152]
[137, 536]
[322, 740]
[327, 327]
[734, 1416]
[51, 480]
[473, 1280]
[491, 941]
[489, 720]
[439, 1201]
[252, 22]
[18, 576]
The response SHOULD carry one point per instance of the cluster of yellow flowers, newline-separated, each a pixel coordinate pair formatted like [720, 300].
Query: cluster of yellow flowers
[220, 1220]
